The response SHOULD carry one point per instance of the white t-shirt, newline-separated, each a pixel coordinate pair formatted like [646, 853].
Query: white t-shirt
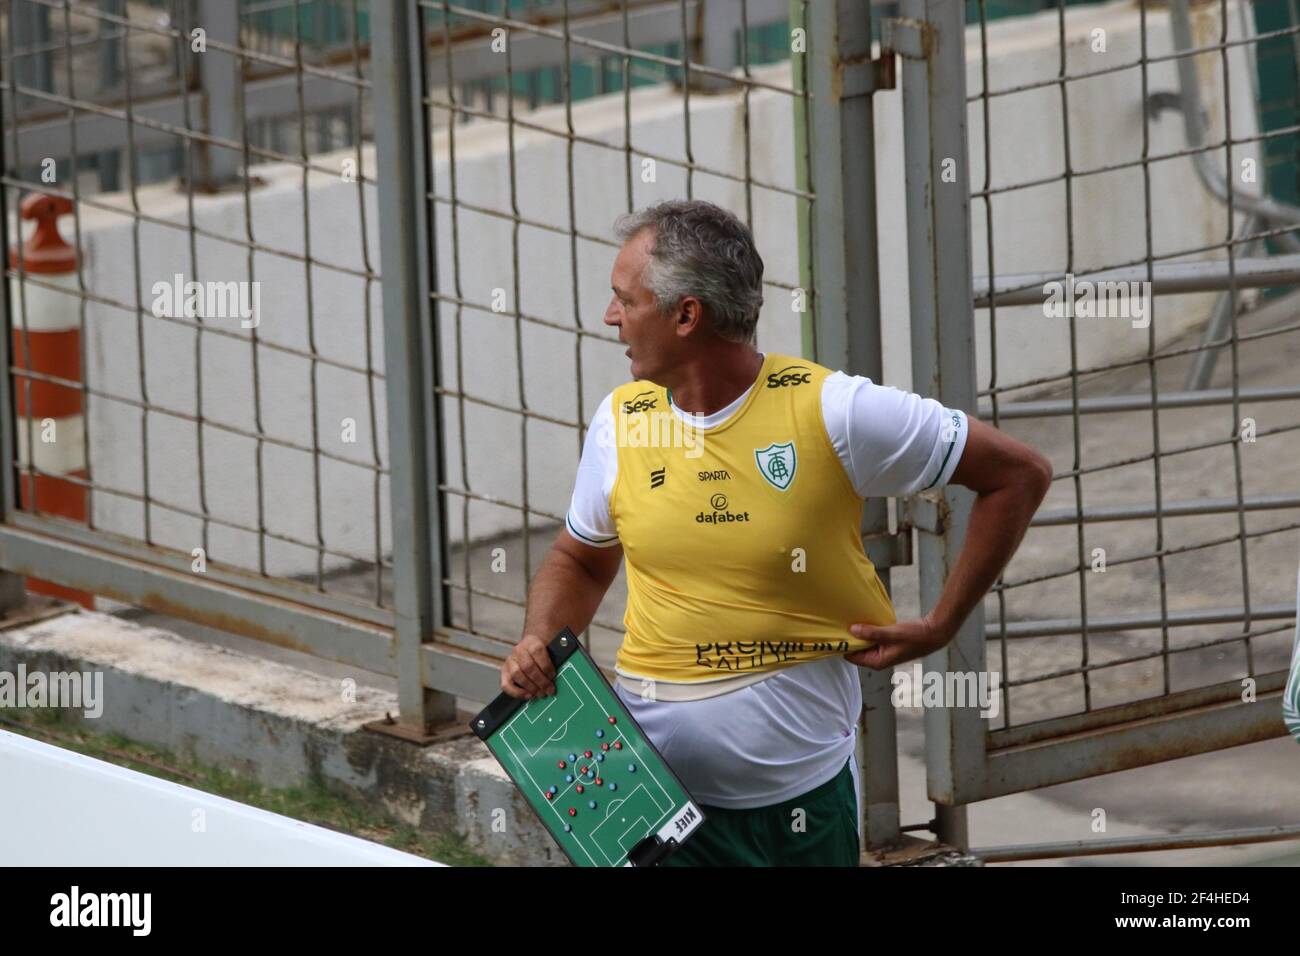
[793, 730]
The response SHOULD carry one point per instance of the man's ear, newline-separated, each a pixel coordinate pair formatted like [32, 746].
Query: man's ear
[690, 315]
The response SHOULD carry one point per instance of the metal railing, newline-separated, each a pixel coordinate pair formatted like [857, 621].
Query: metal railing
[1127, 666]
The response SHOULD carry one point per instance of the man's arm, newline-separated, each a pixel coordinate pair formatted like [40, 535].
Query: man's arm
[1011, 479]
[565, 592]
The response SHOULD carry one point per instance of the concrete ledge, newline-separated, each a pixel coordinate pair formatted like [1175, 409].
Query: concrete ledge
[282, 726]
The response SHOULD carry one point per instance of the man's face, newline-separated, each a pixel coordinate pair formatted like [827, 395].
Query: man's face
[651, 337]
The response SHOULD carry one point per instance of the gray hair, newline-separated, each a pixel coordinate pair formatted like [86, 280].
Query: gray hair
[704, 251]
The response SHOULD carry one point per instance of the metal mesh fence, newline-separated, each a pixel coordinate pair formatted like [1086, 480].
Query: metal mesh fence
[211, 149]
[1154, 177]
[94, 45]
[526, 354]
[231, 382]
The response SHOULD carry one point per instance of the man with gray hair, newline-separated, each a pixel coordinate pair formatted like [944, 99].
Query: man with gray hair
[749, 594]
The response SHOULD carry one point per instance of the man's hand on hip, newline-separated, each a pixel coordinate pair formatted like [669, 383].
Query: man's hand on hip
[897, 643]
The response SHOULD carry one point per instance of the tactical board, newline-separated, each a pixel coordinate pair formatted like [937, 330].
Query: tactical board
[588, 771]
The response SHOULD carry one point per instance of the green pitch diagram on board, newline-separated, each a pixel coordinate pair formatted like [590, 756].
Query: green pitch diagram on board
[593, 778]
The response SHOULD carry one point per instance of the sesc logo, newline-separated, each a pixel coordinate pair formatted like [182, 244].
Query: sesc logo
[789, 376]
[641, 402]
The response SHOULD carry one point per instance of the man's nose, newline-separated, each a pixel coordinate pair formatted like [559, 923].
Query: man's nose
[611, 314]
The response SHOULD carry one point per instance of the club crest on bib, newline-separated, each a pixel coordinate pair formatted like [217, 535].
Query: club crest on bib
[777, 463]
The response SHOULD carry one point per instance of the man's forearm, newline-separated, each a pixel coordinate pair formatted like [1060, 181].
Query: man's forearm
[563, 594]
[998, 521]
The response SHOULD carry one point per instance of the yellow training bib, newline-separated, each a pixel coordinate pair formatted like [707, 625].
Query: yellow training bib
[742, 541]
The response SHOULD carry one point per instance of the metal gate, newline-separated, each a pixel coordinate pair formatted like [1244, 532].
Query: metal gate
[1121, 655]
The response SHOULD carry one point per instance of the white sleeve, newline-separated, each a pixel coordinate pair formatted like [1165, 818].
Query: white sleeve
[891, 442]
[588, 519]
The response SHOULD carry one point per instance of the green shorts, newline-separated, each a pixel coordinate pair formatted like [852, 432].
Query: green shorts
[817, 828]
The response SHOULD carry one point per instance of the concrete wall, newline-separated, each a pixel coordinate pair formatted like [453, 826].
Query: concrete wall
[264, 720]
[1029, 234]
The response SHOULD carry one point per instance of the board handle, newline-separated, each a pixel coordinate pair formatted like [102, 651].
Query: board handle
[563, 646]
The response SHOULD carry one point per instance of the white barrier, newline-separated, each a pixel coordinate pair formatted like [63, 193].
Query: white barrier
[59, 808]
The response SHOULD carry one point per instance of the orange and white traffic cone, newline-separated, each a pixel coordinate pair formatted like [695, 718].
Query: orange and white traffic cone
[50, 420]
